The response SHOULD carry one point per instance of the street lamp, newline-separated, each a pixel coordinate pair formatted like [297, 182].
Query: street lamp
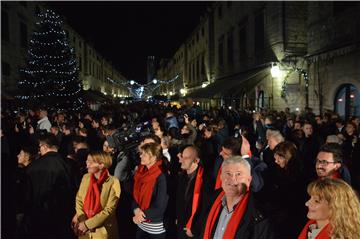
[155, 81]
[183, 91]
[275, 71]
[204, 84]
[132, 82]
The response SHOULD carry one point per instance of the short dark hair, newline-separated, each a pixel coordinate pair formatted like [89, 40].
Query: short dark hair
[334, 149]
[80, 140]
[234, 144]
[49, 139]
[31, 150]
[69, 126]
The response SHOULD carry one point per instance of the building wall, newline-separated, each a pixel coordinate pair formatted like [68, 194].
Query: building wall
[261, 33]
[197, 56]
[14, 53]
[334, 34]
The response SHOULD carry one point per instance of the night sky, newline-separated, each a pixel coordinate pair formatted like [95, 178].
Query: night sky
[127, 32]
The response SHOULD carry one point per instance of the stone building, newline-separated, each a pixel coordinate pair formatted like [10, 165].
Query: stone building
[333, 57]
[280, 54]
[249, 37]
[17, 24]
[191, 63]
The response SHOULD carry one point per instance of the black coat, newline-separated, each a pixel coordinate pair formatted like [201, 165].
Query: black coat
[253, 225]
[51, 201]
[283, 199]
[184, 202]
[209, 152]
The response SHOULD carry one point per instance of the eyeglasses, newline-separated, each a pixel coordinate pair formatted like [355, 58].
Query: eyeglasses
[324, 162]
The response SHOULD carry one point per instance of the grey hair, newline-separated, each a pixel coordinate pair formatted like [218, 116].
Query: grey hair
[237, 159]
[275, 134]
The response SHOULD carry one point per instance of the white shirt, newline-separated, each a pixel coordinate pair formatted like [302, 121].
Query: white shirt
[167, 154]
[44, 123]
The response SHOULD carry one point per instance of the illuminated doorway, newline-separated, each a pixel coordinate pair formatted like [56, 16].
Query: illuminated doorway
[347, 101]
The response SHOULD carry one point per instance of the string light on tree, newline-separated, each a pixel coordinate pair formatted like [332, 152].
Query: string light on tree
[50, 77]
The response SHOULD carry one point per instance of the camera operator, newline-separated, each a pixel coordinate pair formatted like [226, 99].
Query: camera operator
[113, 146]
[188, 133]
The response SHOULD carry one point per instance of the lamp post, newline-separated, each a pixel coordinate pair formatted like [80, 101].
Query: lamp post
[275, 73]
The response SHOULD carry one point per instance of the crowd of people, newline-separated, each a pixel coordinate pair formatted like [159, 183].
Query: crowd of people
[155, 171]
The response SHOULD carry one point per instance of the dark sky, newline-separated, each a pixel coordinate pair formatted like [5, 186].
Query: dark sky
[127, 32]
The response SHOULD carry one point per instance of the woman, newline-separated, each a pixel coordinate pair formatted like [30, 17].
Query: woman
[287, 158]
[150, 193]
[284, 191]
[334, 211]
[97, 199]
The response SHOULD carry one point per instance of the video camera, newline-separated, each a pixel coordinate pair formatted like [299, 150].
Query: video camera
[126, 139]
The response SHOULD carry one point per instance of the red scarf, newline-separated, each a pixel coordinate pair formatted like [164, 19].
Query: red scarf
[218, 180]
[323, 234]
[92, 204]
[234, 221]
[196, 196]
[144, 182]
[336, 175]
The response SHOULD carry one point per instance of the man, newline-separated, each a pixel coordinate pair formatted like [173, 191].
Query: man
[191, 190]
[309, 148]
[68, 134]
[51, 193]
[43, 123]
[329, 163]
[273, 137]
[340, 129]
[235, 146]
[233, 213]
[230, 147]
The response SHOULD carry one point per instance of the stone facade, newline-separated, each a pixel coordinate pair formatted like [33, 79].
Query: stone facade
[191, 62]
[333, 55]
[315, 44]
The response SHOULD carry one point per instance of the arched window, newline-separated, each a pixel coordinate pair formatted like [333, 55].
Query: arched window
[347, 101]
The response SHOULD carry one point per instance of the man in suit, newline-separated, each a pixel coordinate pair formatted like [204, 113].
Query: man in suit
[50, 201]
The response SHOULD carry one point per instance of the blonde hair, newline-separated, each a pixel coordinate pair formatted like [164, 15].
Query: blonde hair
[101, 157]
[153, 149]
[344, 206]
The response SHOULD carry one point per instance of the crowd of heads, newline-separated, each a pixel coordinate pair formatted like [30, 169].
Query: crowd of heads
[298, 143]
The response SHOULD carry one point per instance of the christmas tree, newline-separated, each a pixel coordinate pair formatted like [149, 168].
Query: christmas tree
[50, 77]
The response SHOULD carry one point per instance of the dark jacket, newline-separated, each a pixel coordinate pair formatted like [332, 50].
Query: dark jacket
[253, 225]
[209, 152]
[283, 198]
[159, 201]
[184, 202]
[51, 200]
